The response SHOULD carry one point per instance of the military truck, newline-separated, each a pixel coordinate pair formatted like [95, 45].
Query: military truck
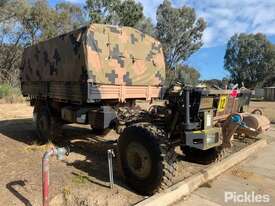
[80, 76]
[95, 75]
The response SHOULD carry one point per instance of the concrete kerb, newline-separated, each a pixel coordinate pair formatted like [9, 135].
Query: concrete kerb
[185, 187]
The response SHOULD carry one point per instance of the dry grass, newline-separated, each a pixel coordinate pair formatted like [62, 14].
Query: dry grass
[10, 95]
[15, 111]
[12, 99]
[36, 147]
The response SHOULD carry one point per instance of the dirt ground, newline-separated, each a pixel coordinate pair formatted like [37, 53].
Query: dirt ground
[81, 179]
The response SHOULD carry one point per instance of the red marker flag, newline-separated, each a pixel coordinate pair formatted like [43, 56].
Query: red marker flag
[234, 93]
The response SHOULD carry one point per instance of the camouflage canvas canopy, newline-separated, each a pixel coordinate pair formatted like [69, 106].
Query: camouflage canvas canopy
[101, 54]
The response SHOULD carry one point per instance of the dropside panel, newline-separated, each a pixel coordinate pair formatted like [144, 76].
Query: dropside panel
[121, 93]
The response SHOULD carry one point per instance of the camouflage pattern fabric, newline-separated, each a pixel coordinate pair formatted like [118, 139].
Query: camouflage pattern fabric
[102, 53]
[58, 59]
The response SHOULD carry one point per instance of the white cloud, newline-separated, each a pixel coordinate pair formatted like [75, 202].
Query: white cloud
[77, 1]
[227, 17]
[208, 35]
[224, 17]
[150, 7]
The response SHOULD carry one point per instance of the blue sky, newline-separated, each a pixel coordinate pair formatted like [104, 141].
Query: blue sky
[224, 18]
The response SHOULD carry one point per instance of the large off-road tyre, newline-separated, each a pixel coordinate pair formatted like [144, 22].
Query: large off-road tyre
[209, 156]
[147, 161]
[99, 132]
[47, 125]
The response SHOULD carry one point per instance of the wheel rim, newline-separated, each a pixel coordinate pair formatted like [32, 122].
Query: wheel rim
[139, 160]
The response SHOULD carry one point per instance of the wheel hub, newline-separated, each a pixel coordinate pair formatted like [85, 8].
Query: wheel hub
[139, 160]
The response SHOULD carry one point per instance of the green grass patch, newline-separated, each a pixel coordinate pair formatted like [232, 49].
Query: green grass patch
[80, 178]
[5, 90]
[10, 94]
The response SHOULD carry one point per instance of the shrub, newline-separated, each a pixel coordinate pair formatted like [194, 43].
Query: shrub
[10, 94]
[4, 90]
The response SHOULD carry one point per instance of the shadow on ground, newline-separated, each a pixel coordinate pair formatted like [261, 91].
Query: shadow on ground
[19, 129]
[80, 140]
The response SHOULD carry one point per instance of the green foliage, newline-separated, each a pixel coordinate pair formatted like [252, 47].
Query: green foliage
[124, 13]
[129, 12]
[146, 26]
[43, 22]
[38, 22]
[28, 23]
[217, 83]
[5, 90]
[179, 31]
[184, 74]
[68, 17]
[102, 11]
[3, 2]
[11, 37]
[9, 94]
[269, 81]
[249, 59]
